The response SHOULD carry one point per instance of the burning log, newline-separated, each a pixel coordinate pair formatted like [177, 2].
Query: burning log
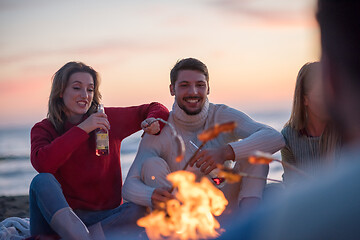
[191, 214]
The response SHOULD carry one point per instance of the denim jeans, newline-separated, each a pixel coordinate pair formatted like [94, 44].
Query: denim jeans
[46, 198]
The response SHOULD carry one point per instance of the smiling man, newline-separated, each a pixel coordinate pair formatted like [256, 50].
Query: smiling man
[192, 113]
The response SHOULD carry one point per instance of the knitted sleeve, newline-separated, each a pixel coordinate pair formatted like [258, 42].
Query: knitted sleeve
[134, 188]
[127, 120]
[50, 151]
[254, 135]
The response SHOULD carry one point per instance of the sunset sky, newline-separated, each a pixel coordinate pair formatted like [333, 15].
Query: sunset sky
[253, 49]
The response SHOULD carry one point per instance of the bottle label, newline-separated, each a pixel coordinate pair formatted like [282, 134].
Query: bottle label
[102, 141]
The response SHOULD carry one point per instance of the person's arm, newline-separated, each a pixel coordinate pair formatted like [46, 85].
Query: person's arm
[254, 135]
[208, 159]
[134, 189]
[128, 120]
[287, 156]
[49, 151]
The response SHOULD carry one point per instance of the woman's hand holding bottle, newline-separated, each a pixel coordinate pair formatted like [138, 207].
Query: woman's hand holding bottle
[95, 121]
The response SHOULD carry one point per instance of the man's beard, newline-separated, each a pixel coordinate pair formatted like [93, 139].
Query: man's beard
[191, 113]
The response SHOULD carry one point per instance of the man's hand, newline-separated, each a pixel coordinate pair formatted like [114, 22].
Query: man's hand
[207, 159]
[94, 121]
[150, 126]
[160, 196]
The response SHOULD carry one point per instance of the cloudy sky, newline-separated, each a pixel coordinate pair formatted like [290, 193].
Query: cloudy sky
[253, 49]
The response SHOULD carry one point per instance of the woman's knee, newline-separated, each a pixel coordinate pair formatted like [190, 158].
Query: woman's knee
[43, 179]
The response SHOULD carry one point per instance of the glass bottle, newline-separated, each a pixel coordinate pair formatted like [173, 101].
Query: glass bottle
[219, 182]
[102, 137]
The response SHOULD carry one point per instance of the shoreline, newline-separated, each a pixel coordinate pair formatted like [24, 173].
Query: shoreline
[14, 206]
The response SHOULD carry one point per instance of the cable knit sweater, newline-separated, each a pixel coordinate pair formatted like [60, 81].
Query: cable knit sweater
[254, 135]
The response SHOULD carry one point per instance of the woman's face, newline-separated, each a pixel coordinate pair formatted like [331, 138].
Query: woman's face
[314, 100]
[78, 95]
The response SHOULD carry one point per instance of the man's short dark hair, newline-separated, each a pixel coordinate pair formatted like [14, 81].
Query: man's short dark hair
[188, 64]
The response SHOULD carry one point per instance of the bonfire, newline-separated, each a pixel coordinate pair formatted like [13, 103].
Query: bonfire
[191, 214]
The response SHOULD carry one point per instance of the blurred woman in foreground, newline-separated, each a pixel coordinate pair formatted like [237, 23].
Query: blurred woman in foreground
[309, 135]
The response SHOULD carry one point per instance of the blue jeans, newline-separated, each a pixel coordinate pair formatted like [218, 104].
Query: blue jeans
[46, 198]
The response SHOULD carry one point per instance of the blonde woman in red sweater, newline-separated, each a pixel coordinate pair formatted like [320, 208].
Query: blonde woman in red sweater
[77, 194]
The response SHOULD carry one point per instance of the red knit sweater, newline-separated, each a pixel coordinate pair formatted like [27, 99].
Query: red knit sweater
[88, 181]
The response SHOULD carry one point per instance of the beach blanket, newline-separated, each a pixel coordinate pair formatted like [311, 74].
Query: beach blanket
[14, 228]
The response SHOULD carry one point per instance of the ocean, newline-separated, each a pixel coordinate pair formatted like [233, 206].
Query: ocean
[16, 171]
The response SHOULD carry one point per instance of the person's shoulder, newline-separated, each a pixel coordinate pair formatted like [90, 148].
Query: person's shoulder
[286, 129]
[157, 144]
[289, 130]
[290, 134]
[121, 112]
[223, 112]
[219, 108]
[44, 126]
[163, 137]
[113, 110]
[45, 123]
[122, 108]
[133, 110]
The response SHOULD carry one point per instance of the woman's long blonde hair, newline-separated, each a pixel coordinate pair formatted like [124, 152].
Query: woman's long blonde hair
[56, 107]
[330, 139]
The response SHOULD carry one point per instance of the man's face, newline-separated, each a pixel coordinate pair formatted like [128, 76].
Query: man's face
[190, 91]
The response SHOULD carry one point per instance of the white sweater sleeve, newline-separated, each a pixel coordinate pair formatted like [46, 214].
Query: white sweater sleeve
[254, 136]
[134, 189]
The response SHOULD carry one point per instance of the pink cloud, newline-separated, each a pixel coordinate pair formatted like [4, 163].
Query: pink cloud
[290, 13]
[120, 49]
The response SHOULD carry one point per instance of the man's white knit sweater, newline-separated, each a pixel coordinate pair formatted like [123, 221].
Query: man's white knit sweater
[247, 137]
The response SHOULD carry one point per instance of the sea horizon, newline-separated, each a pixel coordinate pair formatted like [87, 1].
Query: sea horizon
[16, 171]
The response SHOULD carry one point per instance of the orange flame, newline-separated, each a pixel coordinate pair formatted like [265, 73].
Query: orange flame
[191, 214]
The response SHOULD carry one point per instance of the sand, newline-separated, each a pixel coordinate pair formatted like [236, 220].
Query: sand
[14, 206]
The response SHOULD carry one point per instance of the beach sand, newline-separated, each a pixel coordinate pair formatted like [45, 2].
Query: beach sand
[14, 206]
